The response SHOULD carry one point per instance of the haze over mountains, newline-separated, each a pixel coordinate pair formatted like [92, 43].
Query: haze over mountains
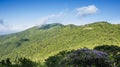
[38, 43]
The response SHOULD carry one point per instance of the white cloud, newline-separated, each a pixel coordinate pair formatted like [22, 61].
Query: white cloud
[19, 28]
[6, 28]
[53, 18]
[87, 10]
[3, 27]
[12, 28]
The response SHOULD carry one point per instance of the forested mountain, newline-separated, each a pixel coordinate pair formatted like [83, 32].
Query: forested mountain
[40, 42]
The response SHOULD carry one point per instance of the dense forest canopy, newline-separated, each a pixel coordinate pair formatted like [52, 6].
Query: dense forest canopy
[40, 42]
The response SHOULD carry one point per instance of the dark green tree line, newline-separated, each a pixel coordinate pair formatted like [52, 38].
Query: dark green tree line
[113, 52]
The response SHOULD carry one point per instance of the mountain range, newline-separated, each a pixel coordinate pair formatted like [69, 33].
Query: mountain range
[40, 42]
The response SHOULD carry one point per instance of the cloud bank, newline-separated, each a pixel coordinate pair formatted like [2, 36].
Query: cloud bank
[6, 28]
[51, 18]
[86, 10]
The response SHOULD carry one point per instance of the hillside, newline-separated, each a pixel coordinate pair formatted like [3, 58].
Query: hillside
[38, 43]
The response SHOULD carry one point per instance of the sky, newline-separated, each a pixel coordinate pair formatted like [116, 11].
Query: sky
[19, 15]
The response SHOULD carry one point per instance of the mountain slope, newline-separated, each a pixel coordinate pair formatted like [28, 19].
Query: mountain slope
[38, 43]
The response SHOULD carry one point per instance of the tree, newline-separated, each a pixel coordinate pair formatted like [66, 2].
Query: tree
[6, 62]
[26, 62]
[110, 49]
[79, 58]
[113, 52]
[22, 62]
[117, 60]
[86, 58]
[53, 61]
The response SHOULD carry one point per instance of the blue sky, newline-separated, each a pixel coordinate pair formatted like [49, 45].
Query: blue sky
[18, 15]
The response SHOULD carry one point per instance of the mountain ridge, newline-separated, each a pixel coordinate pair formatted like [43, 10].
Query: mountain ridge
[38, 43]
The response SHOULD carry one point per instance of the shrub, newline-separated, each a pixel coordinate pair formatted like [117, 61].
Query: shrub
[79, 58]
[113, 52]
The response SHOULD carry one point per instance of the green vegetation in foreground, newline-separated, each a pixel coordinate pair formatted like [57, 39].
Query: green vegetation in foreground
[38, 43]
[100, 56]
[75, 58]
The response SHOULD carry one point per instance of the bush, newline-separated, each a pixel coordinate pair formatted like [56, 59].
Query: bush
[79, 58]
[53, 61]
[113, 52]
[21, 62]
[86, 58]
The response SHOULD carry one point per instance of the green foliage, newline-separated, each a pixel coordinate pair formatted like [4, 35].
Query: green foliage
[113, 51]
[21, 62]
[38, 43]
[117, 60]
[79, 58]
[47, 26]
[54, 61]
[6, 63]
[110, 49]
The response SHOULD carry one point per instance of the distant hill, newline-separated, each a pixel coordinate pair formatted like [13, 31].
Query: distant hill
[40, 42]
